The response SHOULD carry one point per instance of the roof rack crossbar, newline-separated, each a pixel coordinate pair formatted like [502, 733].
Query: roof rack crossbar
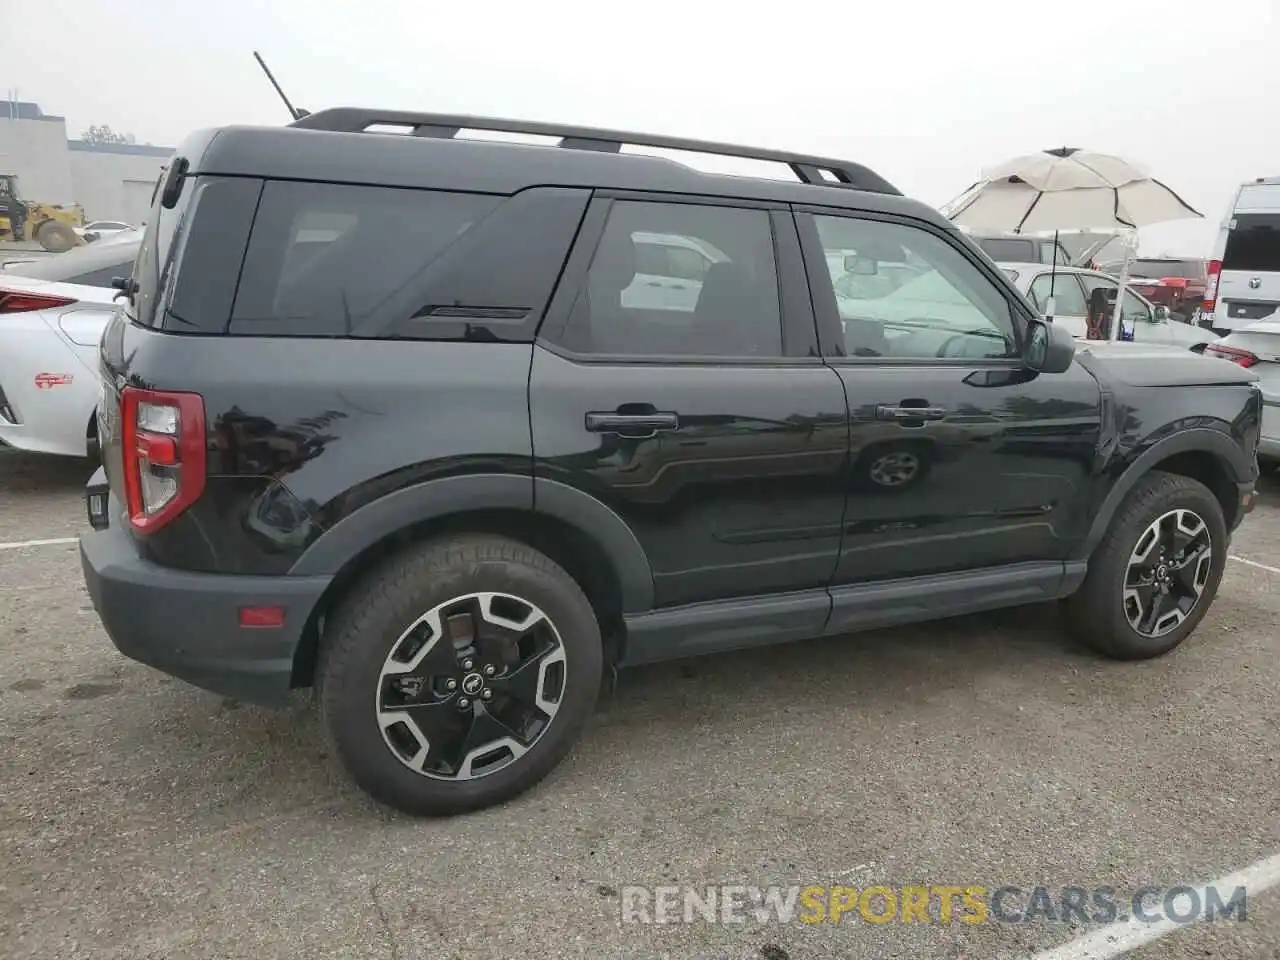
[807, 169]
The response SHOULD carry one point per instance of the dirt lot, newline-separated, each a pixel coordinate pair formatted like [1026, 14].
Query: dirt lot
[142, 818]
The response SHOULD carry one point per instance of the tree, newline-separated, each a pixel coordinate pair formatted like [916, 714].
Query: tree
[104, 134]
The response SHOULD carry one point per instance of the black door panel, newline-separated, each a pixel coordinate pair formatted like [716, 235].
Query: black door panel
[743, 497]
[992, 480]
[704, 420]
[960, 457]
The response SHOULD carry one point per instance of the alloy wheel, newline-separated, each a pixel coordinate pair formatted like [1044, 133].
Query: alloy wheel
[895, 469]
[471, 686]
[1167, 572]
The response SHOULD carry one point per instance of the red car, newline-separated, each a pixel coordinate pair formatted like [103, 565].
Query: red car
[1178, 284]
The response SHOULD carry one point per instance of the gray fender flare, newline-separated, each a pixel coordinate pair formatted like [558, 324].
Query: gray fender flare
[435, 499]
[1200, 440]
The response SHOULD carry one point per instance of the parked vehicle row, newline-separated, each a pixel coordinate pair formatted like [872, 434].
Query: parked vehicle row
[1081, 294]
[389, 416]
[1244, 274]
[1178, 284]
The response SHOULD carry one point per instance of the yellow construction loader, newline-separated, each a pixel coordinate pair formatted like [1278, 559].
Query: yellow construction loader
[52, 225]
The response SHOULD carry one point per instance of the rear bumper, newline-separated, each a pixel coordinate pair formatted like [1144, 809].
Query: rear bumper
[187, 624]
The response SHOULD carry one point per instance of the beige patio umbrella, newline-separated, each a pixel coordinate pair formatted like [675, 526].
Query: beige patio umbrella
[1068, 189]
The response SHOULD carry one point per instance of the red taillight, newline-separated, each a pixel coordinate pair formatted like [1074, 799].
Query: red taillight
[1242, 357]
[163, 447]
[1211, 287]
[19, 301]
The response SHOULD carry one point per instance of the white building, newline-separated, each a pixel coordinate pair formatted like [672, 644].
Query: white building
[113, 181]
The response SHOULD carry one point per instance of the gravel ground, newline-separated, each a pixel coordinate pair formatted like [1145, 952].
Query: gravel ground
[142, 818]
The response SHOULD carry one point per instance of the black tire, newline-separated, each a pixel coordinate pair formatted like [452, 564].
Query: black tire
[1096, 612]
[56, 237]
[370, 621]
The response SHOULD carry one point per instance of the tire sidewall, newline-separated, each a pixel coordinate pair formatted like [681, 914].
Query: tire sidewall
[349, 684]
[1126, 640]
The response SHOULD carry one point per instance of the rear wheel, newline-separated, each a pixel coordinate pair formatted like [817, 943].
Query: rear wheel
[1156, 572]
[459, 674]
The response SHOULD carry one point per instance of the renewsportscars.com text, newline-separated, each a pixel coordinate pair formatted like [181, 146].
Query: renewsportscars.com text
[933, 903]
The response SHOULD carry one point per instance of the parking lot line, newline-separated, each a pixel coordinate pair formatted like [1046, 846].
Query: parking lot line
[1125, 935]
[21, 544]
[1254, 563]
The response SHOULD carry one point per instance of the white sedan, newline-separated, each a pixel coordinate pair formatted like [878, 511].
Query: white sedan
[100, 229]
[1072, 288]
[1257, 347]
[52, 314]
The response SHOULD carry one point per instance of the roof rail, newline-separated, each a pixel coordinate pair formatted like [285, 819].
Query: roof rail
[446, 126]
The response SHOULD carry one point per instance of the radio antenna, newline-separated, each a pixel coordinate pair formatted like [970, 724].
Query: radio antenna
[296, 112]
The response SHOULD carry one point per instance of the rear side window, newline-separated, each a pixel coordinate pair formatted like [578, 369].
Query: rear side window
[732, 310]
[1158, 269]
[1253, 242]
[333, 260]
[1013, 251]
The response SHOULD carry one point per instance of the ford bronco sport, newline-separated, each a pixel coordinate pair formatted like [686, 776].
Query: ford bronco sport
[383, 414]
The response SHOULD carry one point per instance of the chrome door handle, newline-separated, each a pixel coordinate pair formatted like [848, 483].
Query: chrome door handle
[890, 412]
[637, 426]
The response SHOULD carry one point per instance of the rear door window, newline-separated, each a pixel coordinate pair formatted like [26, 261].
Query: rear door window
[332, 260]
[1253, 243]
[1068, 297]
[1010, 251]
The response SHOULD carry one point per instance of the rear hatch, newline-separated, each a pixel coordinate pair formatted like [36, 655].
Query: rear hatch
[1249, 283]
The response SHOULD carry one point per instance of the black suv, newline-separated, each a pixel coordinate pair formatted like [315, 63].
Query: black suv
[406, 418]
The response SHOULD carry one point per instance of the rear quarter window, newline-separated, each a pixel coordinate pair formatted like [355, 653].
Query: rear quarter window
[328, 260]
[337, 260]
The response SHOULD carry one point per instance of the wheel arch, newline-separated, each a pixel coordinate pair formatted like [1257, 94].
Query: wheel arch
[591, 542]
[1208, 456]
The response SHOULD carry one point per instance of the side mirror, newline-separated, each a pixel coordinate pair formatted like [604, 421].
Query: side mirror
[861, 266]
[1160, 314]
[1050, 348]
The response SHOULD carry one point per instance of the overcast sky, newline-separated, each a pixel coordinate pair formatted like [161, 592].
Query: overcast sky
[928, 92]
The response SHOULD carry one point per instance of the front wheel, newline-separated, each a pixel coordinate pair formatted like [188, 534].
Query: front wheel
[1156, 572]
[459, 674]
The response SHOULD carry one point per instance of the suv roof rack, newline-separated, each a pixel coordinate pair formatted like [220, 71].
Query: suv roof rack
[807, 169]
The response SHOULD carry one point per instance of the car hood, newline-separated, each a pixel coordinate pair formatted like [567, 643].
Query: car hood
[1158, 365]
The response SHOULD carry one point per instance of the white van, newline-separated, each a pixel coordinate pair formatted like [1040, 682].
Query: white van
[1244, 274]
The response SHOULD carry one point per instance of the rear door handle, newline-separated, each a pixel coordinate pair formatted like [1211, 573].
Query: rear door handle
[889, 412]
[634, 425]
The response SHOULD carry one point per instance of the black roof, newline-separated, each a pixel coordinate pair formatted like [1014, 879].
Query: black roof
[430, 159]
